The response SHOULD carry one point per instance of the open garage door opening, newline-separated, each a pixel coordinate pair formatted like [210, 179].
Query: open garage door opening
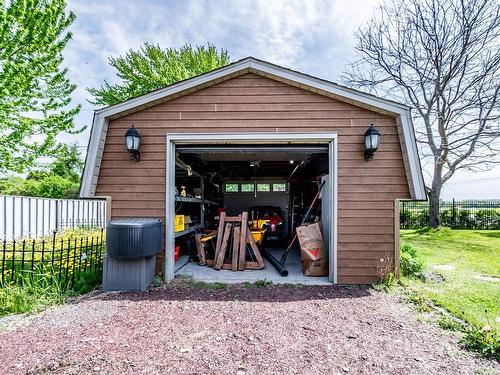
[272, 188]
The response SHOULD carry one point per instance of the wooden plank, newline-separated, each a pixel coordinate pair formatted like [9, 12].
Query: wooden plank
[255, 249]
[219, 260]
[200, 248]
[373, 197]
[228, 266]
[358, 271]
[349, 279]
[158, 127]
[137, 212]
[366, 213]
[361, 254]
[253, 266]
[265, 115]
[370, 189]
[365, 221]
[220, 232]
[232, 91]
[233, 219]
[236, 246]
[366, 238]
[243, 241]
[143, 172]
[361, 229]
[365, 246]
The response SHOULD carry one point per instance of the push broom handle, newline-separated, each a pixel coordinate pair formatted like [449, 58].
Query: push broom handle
[283, 258]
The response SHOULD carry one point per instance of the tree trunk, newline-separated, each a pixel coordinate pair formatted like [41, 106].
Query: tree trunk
[434, 195]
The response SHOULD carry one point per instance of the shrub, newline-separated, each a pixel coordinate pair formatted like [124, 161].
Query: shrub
[411, 265]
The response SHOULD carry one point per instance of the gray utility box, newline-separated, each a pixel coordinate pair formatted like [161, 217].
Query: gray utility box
[131, 248]
[127, 274]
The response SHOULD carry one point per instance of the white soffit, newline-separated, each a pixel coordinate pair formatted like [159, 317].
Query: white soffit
[247, 65]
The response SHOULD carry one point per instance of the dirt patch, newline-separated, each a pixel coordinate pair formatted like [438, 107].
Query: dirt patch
[180, 329]
[443, 267]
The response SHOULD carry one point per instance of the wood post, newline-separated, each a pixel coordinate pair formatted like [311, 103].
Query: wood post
[219, 260]
[236, 246]
[396, 240]
[243, 241]
[200, 249]
[220, 232]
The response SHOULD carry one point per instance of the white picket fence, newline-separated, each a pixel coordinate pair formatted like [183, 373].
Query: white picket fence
[30, 217]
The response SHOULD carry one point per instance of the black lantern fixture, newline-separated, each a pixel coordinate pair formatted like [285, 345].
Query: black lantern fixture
[132, 141]
[372, 140]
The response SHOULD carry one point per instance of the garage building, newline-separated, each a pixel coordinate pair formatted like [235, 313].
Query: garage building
[259, 138]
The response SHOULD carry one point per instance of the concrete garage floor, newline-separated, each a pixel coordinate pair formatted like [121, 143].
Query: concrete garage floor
[191, 270]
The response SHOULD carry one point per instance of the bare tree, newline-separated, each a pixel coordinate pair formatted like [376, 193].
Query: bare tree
[442, 58]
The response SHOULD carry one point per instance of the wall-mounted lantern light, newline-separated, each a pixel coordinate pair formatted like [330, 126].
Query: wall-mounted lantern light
[132, 141]
[372, 140]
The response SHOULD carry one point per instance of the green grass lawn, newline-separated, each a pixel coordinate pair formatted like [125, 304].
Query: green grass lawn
[460, 256]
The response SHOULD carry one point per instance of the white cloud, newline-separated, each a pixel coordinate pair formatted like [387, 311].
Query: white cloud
[313, 36]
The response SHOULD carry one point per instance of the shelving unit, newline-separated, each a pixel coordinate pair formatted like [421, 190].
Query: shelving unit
[180, 166]
[184, 232]
[178, 198]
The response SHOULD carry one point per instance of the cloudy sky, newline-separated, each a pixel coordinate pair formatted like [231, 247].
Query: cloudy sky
[313, 36]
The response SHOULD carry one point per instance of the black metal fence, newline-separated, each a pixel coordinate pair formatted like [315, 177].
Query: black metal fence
[62, 258]
[454, 214]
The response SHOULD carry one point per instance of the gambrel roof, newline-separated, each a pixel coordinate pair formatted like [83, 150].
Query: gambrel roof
[252, 65]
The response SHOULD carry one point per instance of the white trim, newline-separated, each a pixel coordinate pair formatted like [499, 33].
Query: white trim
[169, 209]
[333, 175]
[258, 138]
[250, 64]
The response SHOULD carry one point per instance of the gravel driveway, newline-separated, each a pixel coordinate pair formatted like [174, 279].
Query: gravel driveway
[182, 329]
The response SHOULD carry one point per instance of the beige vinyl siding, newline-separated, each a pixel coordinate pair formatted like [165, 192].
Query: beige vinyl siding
[250, 103]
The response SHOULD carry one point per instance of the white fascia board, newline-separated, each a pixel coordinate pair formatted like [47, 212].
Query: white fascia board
[416, 178]
[92, 164]
[402, 113]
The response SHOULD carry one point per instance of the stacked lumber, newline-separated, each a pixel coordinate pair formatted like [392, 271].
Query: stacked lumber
[235, 249]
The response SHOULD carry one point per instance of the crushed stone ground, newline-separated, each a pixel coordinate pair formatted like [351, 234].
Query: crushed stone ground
[182, 329]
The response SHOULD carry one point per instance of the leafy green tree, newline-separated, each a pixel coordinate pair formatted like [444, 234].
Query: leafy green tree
[152, 68]
[68, 164]
[35, 93]
[59, 179]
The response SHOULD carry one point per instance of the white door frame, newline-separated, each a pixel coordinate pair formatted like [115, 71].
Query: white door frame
[174, 139]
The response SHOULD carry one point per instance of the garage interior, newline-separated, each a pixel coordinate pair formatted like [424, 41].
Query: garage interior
[274, 184]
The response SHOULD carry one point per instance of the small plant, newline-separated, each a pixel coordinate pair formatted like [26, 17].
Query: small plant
[157, 281]
[385, 283]
[411, 265]
[446, 322]
[422, 303]
[485, 341]
[263, 283]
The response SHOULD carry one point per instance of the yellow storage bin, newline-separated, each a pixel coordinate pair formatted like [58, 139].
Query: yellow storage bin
[179, 223]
